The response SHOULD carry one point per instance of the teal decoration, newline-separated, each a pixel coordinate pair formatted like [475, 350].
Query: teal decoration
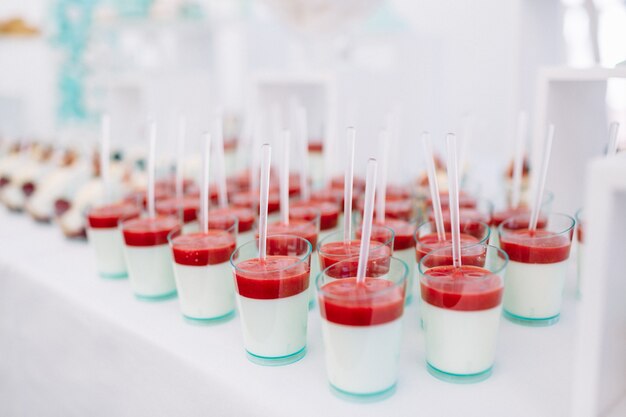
[73, 22]
[132, 8]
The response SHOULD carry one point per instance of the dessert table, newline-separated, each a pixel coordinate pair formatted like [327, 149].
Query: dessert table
[74, 344]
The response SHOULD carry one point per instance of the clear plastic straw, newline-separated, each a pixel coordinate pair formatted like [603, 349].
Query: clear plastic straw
[368, 212]
[151, 168]
[453, 195]
[383, 149]
[348, 182]
[266, 161]
[613, 143]
[518, 161]
[105, 156]
[541, 182]
[465, 142]
[434, 186]
[222, 191]
[301, 125]
[204, 191]
[257, 133]
[284, 179]
[180, 157]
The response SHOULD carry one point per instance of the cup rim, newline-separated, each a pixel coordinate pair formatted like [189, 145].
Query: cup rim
[501, 254]
[579, 215]
[179, 229]
[315, 222]
[388, 242]
[374, 224]
[122, 224]
[569, 219]
[481, 241]
[301, 258]
[396, 284]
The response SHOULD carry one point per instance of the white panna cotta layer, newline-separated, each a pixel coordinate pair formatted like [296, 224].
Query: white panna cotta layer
[108, 244]
[580, 256]
[408, 256]
[150, 270]
[460, 342]
[362, 359]
[276, 327]
[534, 291]
[315, 270]
[205, 292]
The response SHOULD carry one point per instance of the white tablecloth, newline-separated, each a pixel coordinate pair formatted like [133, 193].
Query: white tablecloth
[74, 344]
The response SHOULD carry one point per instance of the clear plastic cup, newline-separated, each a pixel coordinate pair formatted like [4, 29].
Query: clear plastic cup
[106, 238]
[461, 311]
[536, 274]
[149, 258]
[308, 229]
[203, 272]
[273, 298]
[362, 328]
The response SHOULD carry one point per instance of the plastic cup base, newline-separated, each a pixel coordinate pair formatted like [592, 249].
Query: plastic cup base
[531, 322]
[209, 322]
[409, 300]
[459, 379]
[121, 275]
[276, 361]
[153, 298]
[363, 398]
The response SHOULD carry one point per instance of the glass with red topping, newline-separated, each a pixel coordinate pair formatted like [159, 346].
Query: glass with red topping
[580, 239]
[148, 256]
[333, 249]
[402, 209]
[471, 219]
[307, 229]
[273, 298]
[185, 209]
[362, 328]
[403, 246]
[499, 216]
[203, 273]
[537, 269]
[250, 200]
[426, 239]
[106, 239]
[461, 309]
[245, 221]
[309, 210]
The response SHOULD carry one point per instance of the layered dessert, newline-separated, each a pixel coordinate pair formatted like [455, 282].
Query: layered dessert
[536, 274]
[305, 229]
[472, 221]
[245, 221]
[309, 210]
[394, 209]
[362, 332]
[204, 275]
[461, 310]
[273, 301]
[106, 238]
[250, 200]
[403, 247]
[184, 209]
[362, 328]
[149, 257]
[335, 251]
